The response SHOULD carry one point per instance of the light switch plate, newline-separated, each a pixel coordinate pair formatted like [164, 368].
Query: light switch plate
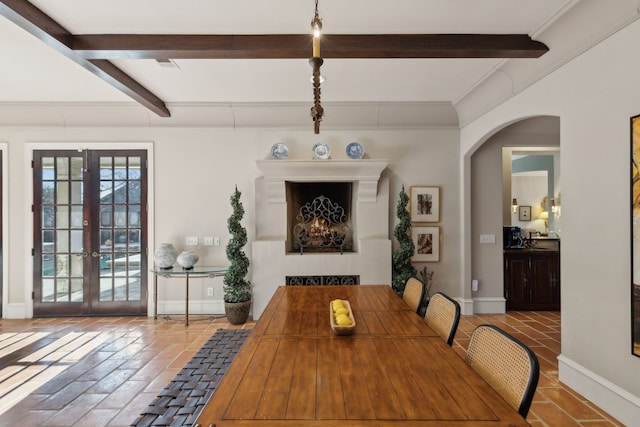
[191, 241]
[208, 240]
[487, 238]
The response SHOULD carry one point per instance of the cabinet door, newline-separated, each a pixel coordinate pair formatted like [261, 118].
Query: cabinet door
[554, 268]
[543, 286]
[515, 281]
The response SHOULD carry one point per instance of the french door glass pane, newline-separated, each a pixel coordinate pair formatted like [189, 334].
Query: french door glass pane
[62, 170]
[62, 217]
[62, 240]
[48, 192]
[77, 167]
[48, 289]
[120, 208]
[76, 290]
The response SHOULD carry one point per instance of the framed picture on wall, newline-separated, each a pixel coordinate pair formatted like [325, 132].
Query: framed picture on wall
[524, 213]
[427, 244]
[635, 234]
[425, 204]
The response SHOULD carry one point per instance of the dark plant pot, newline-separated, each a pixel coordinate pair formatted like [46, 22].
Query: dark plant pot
[237, 312]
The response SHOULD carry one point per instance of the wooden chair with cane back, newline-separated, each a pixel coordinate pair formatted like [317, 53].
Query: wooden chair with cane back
[443, 316]
[413, 294]
[508, 365]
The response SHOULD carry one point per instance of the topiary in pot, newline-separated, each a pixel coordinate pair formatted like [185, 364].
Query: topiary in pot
[237, 290]
[402, 267]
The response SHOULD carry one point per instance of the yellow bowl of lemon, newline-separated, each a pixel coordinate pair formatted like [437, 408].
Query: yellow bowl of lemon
[342, 321]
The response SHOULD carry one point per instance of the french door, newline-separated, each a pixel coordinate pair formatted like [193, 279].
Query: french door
[90, 232]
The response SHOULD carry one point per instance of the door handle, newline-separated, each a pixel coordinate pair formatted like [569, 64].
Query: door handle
[95, 254]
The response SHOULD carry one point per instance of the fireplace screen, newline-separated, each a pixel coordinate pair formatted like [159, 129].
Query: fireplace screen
[321, 225]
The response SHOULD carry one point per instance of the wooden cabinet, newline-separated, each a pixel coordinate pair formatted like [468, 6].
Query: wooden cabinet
[532, 279]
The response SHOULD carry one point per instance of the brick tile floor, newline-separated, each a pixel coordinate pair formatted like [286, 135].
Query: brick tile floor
[105, 371]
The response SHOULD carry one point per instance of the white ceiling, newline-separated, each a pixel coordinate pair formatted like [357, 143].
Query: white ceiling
[33, 74]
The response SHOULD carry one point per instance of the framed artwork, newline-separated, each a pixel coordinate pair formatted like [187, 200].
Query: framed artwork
[524, 213]
[425, 204]
[427, 244]
[635, 235]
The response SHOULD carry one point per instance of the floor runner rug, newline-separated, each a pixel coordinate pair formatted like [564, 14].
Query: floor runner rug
[181, 401]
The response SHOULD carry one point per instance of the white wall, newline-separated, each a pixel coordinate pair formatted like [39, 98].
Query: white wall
[594, 96]
[196, 170]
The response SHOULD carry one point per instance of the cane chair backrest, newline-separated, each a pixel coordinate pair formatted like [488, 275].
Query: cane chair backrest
[443, 316]
[507, 364]
[414, 293]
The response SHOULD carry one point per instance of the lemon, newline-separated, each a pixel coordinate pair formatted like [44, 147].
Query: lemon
[337, 304]
[340, 311]
[343, 320]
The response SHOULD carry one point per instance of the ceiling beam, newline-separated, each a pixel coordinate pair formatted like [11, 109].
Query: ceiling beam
[37, 23]
[298, 46]
[94, 51]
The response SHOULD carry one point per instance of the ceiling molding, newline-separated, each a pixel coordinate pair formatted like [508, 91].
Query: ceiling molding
[283, 115]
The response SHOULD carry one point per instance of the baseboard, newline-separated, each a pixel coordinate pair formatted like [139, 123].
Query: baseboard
[466, 306]
[19, 310]
[195, 307]
[619, 403]
[489, 305]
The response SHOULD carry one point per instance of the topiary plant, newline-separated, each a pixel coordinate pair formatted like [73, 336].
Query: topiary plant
[236, 287]
[402, 267]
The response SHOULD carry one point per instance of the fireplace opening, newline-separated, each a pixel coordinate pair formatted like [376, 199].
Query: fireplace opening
[319, 217]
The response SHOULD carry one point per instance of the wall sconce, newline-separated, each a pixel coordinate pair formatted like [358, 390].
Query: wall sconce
[514, 206]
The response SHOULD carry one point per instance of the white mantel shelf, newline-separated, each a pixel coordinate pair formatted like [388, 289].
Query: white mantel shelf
[365, 172]
[322, 170]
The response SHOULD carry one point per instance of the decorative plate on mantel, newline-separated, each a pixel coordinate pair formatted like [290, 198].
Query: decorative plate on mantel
[321, 151]
[355, 150]
[279, 151]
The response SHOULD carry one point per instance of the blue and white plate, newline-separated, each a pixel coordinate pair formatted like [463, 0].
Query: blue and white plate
[279, 151]
[355, 150]
[321, 151]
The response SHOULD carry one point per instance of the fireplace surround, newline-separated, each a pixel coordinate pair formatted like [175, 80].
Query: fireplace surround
[272, 256]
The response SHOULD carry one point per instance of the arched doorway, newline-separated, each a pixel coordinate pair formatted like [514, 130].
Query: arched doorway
[488, 201]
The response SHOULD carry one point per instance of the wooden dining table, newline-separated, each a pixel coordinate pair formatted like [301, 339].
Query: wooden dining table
[394, 370]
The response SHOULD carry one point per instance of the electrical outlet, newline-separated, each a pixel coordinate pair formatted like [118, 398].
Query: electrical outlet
[208, 240]
[191, 241]
[216, 241]
[209, 292]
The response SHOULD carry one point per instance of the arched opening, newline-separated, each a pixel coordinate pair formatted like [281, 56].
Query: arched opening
[490, 201]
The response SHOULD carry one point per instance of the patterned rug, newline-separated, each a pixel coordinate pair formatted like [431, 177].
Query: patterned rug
[181, 401]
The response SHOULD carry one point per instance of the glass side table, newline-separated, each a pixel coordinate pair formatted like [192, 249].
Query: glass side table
[179, 272]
